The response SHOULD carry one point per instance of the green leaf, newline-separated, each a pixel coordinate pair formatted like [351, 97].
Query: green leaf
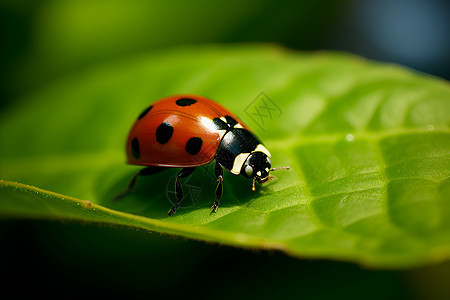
[368, 145]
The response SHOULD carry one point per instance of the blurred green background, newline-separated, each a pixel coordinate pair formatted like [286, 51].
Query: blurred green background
[42, 41]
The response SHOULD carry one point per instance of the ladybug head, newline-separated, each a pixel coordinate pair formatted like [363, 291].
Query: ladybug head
[257, 166]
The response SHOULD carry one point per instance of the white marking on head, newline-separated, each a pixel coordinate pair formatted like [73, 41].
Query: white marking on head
[258, 173]
[238, 125]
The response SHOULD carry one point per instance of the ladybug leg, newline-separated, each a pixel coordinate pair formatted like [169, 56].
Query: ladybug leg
[132, 184]
[219, 188]
[185, 172]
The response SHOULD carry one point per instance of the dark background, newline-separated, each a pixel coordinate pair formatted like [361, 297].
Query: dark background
[42, 41]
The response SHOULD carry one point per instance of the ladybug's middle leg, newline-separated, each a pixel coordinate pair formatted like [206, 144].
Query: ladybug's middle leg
[185, 172]
[219, 188]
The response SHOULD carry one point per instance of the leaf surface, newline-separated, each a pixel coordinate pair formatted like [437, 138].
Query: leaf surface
[368, 145]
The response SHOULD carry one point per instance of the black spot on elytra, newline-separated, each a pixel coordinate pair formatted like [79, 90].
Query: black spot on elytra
[231, 122]
[135, 148]
[185, 101]
[145, 112]
[220, 124]
[164, 132]
[194, 145]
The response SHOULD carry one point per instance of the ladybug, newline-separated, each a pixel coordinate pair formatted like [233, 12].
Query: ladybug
[188, 131]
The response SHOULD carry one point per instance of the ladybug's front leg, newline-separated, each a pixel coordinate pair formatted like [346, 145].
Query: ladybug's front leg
[178, 190]
[219, 189]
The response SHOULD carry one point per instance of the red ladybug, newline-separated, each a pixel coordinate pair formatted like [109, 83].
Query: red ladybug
[187, 131]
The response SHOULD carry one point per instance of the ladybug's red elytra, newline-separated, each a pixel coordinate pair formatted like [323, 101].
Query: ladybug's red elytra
[188, 131]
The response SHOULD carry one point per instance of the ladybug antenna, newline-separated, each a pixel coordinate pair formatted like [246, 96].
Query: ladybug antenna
[253, 185]
[280, 168]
